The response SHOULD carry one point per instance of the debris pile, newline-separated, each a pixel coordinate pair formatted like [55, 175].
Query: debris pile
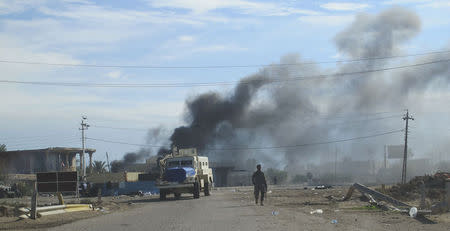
[434, 188]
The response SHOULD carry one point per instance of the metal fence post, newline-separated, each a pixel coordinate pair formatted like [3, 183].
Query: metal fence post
[34, 202]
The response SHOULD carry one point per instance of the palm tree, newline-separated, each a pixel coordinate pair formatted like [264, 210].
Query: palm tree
[99, 166]
[2, 148]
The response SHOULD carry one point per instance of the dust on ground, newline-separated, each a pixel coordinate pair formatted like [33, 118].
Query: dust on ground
[108, 205]
[286, 208]
[293, 206]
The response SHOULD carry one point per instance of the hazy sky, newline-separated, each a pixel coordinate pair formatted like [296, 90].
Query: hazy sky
[160, 33]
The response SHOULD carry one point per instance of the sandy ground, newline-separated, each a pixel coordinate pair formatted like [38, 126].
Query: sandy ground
[108, 205]
[286, 208]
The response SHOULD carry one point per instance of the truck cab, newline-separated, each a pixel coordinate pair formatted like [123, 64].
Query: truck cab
[184, 171]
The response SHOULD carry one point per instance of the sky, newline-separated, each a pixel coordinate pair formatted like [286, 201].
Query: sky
[168, 33]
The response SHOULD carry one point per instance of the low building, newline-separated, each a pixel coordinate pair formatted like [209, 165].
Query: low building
[42, 160]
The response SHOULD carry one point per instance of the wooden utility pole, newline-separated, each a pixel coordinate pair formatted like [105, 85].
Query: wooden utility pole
[406, 118]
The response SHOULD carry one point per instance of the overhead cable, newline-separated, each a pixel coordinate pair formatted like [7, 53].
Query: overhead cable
[215, 66]
[259, 148]
[200, 84]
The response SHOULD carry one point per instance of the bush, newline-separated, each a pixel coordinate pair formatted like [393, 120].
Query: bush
[25, 188]
[297, 179]
[275, 176]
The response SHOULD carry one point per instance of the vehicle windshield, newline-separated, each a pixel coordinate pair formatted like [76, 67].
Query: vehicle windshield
[180, 163]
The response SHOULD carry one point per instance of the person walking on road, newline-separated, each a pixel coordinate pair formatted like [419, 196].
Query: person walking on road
[259, 182]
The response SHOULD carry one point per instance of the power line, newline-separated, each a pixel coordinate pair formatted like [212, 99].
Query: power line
[205, 84]
[365, 120]
[34, 138]
[120, 128]
[259, 148]
[119, 142]
[21, 142]
[216, 66]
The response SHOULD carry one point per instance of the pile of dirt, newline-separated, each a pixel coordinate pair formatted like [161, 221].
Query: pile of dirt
[434, 188]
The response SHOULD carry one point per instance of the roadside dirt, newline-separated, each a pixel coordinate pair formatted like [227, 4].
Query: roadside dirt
[293, 206]
[286, 208]
[108, 205]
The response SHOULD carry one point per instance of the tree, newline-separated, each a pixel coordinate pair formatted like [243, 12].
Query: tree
[117, 166]
[275, 176]
[299, 179]
[3, 174]
[309, 176]
[99, 166]
[2, 147]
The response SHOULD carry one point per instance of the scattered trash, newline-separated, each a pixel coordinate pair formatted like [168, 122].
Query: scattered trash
[275, 213]
[334, 221]
[413, 212]
[233, 190]
[305, 188]
[318, 211]
[270, 191]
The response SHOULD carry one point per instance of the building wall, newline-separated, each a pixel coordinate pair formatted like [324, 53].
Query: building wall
[26, 162]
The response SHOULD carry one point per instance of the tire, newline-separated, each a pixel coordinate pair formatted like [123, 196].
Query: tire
[177, 196]
[196, 190]
[162, 195]
[207, 189]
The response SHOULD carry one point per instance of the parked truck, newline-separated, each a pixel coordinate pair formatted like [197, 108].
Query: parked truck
[184, 171]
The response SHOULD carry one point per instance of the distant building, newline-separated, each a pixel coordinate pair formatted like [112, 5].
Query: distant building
[41, 160]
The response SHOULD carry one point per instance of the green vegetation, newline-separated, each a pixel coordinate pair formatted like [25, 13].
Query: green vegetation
[275, 176]
[99, 166]
[3, 148]
[298, 179]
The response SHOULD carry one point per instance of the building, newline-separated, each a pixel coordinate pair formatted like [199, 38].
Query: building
[42, 160]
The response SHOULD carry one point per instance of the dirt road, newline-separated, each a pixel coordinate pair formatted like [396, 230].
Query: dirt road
[216, 212]
[234, 209]
[286, 208]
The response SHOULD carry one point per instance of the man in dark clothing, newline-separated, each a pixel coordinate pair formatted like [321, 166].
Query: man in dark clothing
[259, 181]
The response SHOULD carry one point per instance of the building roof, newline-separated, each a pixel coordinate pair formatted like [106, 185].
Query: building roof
[51, 149]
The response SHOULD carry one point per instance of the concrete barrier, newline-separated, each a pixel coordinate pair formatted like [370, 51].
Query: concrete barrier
[56, 209]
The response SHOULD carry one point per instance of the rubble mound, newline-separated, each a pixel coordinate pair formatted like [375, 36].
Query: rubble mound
[434, 188]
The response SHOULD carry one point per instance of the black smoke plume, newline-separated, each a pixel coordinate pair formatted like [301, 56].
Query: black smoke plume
[274, 108]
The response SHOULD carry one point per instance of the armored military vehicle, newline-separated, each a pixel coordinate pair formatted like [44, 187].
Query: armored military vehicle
[184, 171]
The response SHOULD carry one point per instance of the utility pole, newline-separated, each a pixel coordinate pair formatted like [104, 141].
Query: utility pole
[335, 163]
[84, 126]
[406, 118]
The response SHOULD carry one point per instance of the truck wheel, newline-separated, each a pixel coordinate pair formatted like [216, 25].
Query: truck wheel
[196, 190]
[162, 195]
[177, 196]
[207, 189]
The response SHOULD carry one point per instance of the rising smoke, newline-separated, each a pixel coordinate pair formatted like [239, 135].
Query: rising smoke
[270, 108]
[155, 135]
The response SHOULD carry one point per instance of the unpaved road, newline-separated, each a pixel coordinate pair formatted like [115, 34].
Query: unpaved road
[286, 208]
[216, 212]
[234, 209]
